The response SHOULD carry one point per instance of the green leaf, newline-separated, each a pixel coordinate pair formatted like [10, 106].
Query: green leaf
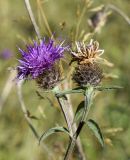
[71, 91]
[84, 106]
[96, 130]
[79, 111]
[52, 131]
[98, 8]
[104, 88]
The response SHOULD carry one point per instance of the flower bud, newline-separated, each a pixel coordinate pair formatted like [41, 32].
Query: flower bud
[85, 74]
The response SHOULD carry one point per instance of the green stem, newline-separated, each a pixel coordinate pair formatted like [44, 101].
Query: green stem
[65, 113]
[73, 142]
[63, 108]
[80, 19]
[68, 115]
[88, 97]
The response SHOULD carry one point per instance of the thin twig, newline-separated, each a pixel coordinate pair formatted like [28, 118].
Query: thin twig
[86, 5]
[44, 18]
[113, 7]
[7, 89]
[78, 24]
[28, 6]
[25, 112]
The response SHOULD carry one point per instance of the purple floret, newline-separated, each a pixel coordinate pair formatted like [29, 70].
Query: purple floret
[38, 58]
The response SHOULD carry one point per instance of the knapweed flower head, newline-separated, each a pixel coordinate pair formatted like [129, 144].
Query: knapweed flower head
[87, 74]
[39, 57]
[87, 71]
[89, 53]
[40, 62]
[49, 78]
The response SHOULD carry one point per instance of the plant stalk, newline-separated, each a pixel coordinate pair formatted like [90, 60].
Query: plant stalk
[31, 15]
[69, 116]
[79, 147]
[87, 104]
[65, 113]
[73, 142]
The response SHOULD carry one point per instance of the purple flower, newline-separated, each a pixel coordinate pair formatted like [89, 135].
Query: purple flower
[38, 58]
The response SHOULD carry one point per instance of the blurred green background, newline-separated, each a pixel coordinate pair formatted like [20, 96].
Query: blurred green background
[110, 109]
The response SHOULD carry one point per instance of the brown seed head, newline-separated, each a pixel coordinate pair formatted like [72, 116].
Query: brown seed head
[85, 74]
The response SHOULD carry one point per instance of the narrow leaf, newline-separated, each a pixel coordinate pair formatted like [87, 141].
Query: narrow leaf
[104, 88]
[79, 111]
[96, 130]
[98, 8]
[52, 131]
[71, 91]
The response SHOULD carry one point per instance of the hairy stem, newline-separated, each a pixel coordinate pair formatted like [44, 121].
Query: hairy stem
[68, 113]
[88, 98]
[72, 129]
[75, 136]
[65, 113]
[73, 142]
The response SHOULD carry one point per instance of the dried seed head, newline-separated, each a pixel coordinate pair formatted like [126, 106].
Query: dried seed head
[89, 53]
[49, 78]
[85, 74]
